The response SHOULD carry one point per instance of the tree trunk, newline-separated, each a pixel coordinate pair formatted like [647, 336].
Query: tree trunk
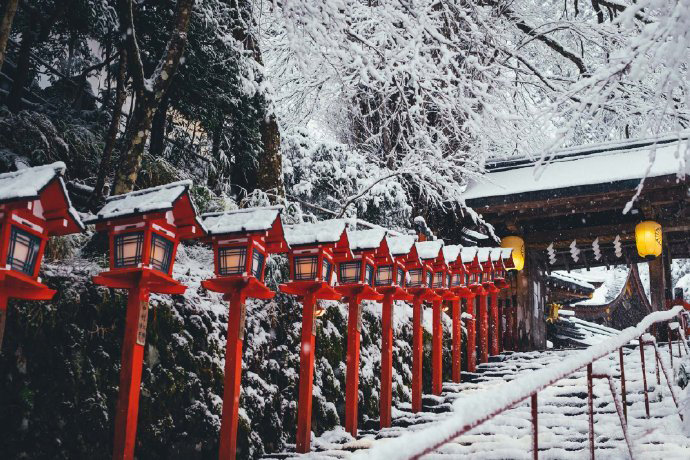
[135, 143]
[270, 173]
[6, 27]
[157, 144]
[111, 137]
[21, 74]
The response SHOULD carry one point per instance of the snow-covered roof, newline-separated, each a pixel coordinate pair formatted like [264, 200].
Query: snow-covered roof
[28, 183]
[467, 254]
[325, 231]
[366, 239]
[451, 252]
[154, 199]
[483, 254]
[604, 163]
[496, 254]
[573, 279]
[400, 245]
[241, 220]
[506, 253]
[429, 249]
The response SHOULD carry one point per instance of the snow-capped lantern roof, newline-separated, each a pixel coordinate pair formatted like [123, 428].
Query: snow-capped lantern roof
[451, 253]
[483, 255]
[43, 188]
[314, 233]
[366, 239]
[401, 245]
[429, 249]
[172, 201]
[468, 254]
[262, 221]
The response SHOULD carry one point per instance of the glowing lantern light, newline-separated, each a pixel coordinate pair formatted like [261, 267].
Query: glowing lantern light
[517, 244]
[648, 238]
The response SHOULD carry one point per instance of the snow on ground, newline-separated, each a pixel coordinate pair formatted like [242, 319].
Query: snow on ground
[563, 420]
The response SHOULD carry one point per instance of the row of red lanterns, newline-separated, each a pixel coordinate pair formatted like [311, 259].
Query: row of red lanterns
[327, 262]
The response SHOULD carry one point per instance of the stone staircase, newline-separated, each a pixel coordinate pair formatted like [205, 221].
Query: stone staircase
[562, 416]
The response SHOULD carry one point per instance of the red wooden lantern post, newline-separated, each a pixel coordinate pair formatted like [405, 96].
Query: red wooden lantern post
[242, 240]
[476, 302]
[34, 206]
[498, 278]
[313, 248]
[456, 276]
[390, 281]
[144, 228]
[432, 252]
[356, 270]
[487, 288]
[420, 276]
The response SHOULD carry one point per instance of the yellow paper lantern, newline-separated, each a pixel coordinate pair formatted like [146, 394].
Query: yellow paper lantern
[648, 238]
[518, 246]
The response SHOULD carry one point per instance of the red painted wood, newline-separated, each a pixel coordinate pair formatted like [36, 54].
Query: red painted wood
[483, 329]
[456, 312]
[644, 377]
[233, 376]
[306, 376]
[493, 317]
[352, 362]
[590, 404]
[386, 361]
[437, 349]
[470, 324]
[417, 354]
[535, 428]
[130, 379]
[624, 394]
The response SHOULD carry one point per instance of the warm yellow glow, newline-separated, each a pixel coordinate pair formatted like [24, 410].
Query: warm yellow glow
[517, 244]
[319, 311]
[648, 237]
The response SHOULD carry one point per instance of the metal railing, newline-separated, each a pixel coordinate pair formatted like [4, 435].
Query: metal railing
[474, 411]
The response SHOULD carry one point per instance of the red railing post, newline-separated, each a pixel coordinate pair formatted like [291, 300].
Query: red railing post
[535, 429]
[386, 361]
[470, 323]
[644, 377]
[590, 403]
[623, 418]
[483, 312]
[457, 339]
[437, 348]
[670, 344]
[623, 392]
[306, 376]
[417, 354]
[352, 363]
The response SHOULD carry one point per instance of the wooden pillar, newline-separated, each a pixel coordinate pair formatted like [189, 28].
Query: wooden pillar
[233, 376]
[437, 349]
[501, 322]
[352, 374]
[130, 374]
[657, 283]
[386, 361]
[531, 326]
[483, 329]
[493, 323]
[417, 354]
[306, 376]
[470, 324]
[457, 339]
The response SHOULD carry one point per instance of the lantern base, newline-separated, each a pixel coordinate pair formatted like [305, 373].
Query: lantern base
[250, 286]
[490, 288]
[318, 289]
[358, 291]
[17, 285]
[424, 294]
[129, 278]
[477, 289]
[395, 293]
[462, 291]
[446, 294]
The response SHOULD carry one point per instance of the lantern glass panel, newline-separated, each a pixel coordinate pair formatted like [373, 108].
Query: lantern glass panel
[468, 279]
[384, 275]
[128, 249]
[257, 264]
[326, 268]
[161, 253]
[23, 251]
[448, 280]
[369, 274]
[429, 278]
[455, 281]
[415, 278]
[480, 277]
[401, 277]
[232, 261]
[438, 280]
[350, 272]
[305, 267]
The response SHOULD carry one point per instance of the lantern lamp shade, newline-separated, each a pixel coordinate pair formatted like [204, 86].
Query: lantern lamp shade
[369, 274]
[438, 280]
[416, 278]
[429, 278]
[350, 272]
[306, 267]
[258, 261]
[517, 244]
[232, 260]
[384, 275]
[326, 270]
[649, 239]
[401, 277]
[23, 251]
[128, 249]
[161, 253]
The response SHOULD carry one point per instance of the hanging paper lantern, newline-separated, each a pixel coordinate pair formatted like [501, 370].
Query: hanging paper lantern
[648, 237]
[517, 244]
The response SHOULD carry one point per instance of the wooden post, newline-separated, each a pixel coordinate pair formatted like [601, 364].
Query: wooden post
[233, 376]
[535, 428]
[130, 374]
[501, 321]
[493, 326]
[352, 374]
[3, 316]
[471, 336]
[417, 354]
[437, 349]
[657, 283]
[457, 339]
[386, 361]
[483, 329]
[624, 395]
[306, 376]
[644, 377]
[590, 404]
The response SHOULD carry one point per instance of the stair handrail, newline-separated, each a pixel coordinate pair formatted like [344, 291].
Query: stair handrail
[472, 412]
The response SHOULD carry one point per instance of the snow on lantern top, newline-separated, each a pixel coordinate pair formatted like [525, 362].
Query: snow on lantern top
[429, 249]
[314, 233]
[263, 222]
[451, 253]
[42, 190]
[401, 245]
[366, 239]
[468, 254]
